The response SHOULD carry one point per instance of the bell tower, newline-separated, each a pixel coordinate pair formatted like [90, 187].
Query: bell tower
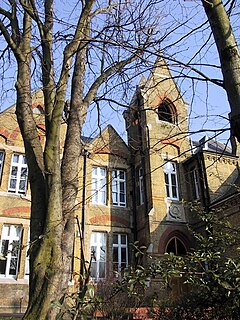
[157, 126]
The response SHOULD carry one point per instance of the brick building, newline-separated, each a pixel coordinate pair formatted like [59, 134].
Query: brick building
[127, 192]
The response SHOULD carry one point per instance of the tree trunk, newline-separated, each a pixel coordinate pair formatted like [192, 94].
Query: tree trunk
[229, 57]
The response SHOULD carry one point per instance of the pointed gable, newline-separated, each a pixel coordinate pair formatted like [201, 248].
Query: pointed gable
[110, 142]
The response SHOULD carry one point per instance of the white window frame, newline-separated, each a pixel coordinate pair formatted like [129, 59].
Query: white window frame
[141, 186]
[99, 255]
[2, 156]
[170, 174]
[9, 234]
[99, 185]
[121, 265]
[19, 165]
[119, 188]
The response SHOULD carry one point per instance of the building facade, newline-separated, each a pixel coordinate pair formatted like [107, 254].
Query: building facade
[134, 191]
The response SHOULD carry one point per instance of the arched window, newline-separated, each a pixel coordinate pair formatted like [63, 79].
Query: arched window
[176, 246]
[167, 112]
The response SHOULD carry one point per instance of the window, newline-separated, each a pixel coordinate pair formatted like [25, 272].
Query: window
[98, 254]
[1, 162]
[176, 246]
[167, 112]
[10, 250]
[141, 186]
[18, 174]
[120, 252]
[99, 185]
[119, 188]
[170, 174]
[194, 185]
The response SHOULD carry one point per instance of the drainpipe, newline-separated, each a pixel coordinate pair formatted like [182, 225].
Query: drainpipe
[134, 200]
[85, 156]
[82, 231]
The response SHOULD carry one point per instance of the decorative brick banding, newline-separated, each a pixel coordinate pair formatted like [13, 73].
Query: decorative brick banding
[16, 211]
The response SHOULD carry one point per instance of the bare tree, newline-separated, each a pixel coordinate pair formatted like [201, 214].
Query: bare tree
[108, 38]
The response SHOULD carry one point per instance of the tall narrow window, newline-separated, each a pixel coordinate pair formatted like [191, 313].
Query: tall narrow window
[9, 250]
[1, 162]
[194, 185]
[18, 174]
[98, 255]
[171, 183]
[141, 186]
[99, 185]
[119, 188]
[120, 252]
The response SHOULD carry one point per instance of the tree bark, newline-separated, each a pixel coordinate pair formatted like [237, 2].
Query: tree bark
[229, 58]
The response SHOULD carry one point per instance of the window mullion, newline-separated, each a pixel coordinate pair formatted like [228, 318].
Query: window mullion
[119, 253]
[18, 175]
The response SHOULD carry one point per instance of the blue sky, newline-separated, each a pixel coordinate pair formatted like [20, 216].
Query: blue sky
[208, 106]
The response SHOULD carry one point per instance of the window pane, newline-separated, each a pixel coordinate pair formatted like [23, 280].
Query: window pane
[22, 185]
[166, 178]
[167, 189]
[114, 186]
[171, 248]
[99, 185]
[94, 253]
[102, 197]
[4, 248]
[122, 187]
[123, 239]
[15, 158]
[115, 238]
[122, 198]
[102, 253]
[13, 266]
[123, 255]
[6, 231]
[94, 269]
[173, 177]
[14, 171]
[10, 248]
[122, 175]
[118, 188]
[115, 254]
[98, 252]
[103, 172]
[114, 198]
[24, 160]
[101, 270]
[16, 231]
[24, 173]
[3, 263]
[174, 192]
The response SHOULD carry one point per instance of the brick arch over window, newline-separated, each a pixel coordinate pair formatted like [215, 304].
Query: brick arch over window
[173, 238]
[167, 111]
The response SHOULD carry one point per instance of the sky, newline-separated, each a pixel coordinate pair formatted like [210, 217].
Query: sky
[208, 105]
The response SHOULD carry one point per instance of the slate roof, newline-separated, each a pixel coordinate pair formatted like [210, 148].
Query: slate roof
[212, 145]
